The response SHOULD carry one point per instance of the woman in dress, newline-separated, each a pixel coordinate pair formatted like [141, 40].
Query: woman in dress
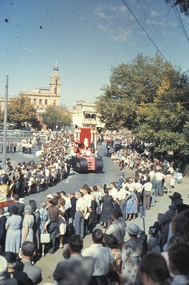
[107, 206]
[44, 221]
[35, 213]
[131, 205]
[27, 225]
[13, 227]
[131, 255]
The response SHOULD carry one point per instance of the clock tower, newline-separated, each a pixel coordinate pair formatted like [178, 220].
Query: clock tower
[55, 82]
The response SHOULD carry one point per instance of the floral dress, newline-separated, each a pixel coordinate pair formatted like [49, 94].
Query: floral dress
[131, 204]
[131, 256]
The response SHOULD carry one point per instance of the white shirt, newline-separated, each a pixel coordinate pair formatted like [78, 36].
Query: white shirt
[67, 202]
[114, 193]
[80, 204]
[103, 258]
[159, 176]
[122, 194]
[148, 186]
[138, 187]
[88, 199]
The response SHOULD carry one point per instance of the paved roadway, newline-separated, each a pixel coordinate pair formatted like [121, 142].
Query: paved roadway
[110, 173]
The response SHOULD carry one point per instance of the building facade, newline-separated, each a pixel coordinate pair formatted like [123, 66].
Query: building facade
[84, 115]
[43, 97]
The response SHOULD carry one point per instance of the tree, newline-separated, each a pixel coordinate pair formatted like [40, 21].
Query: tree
[183, 5]
[56, 116]
[21, 110]
[148, 96]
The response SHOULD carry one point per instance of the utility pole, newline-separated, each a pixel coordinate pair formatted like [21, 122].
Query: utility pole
[5, 124]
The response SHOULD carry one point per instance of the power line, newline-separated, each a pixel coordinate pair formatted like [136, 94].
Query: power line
[180, 21]
[157, 32]
[144, 30]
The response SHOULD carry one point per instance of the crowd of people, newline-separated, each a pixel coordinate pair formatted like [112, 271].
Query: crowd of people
[119, 253]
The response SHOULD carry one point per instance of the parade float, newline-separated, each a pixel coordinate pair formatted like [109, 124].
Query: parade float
[85, 158]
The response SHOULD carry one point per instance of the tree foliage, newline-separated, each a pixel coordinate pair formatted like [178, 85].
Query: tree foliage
[57, 116]
[20, 110]
[183, 5]
[148, 96]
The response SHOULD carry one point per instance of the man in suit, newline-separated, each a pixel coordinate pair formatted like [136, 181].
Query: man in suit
[73, 201]
[33, 271]
[77, 269]
[20, 206]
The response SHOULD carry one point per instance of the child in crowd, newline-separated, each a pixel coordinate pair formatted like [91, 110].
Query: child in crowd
[153, 245]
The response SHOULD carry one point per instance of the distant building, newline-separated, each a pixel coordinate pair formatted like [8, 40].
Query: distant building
[43, 97]
[84, 115]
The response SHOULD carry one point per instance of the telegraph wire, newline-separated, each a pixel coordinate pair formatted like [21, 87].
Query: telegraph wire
[157, 32]
[144, 30]
[180, 21]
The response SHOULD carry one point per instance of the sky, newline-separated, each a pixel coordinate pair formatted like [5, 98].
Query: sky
[87, 38]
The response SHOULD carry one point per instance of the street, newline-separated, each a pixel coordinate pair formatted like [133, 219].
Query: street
[75, 180]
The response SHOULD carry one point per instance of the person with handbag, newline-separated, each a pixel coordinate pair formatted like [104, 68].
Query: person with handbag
[44, 221]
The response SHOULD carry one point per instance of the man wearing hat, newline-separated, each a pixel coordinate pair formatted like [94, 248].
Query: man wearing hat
[166, 219]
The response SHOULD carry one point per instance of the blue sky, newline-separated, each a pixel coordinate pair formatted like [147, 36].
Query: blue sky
[87, 37]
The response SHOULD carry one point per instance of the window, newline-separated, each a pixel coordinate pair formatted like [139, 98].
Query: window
[40, 101]
[46, 102]
[54, 102]
[94, 116]
[87, 116]
[34, 101]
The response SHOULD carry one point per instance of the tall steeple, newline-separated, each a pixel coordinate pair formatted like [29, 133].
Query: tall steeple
[55, 81]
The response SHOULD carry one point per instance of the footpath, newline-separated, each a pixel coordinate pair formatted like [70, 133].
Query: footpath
[49, 262]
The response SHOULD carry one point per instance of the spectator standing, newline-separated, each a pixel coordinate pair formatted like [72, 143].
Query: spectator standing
[44, 221]
[81, 210]
[13, 227]
[147, 194]
[131, 255]
[3, 220]
[53, 225]
[73, 201]
[76, 268]
[28, 223]
[166, 218]
[117, 226]
[103, 258]
[33, 271]
[107, 206]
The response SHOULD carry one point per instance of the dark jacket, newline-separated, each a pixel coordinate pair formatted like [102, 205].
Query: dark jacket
[166, 219]
[107, 206]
